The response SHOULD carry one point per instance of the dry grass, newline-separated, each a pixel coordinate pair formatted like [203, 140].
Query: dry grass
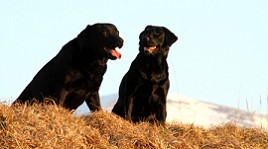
[51, 126]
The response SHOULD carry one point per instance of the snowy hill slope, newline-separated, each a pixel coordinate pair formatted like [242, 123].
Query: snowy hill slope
[191, 111]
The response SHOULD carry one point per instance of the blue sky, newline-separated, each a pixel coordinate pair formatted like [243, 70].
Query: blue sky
[221, 55]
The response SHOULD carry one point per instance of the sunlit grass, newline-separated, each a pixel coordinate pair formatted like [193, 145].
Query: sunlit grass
[51, 126]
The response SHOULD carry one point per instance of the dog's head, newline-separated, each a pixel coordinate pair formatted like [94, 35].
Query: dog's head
[102, 39]
[155, 40]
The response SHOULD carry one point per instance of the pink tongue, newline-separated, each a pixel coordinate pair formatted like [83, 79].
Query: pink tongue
[116, 54]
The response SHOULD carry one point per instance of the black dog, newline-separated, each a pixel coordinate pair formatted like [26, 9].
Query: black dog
[143, 89]
[75, 74]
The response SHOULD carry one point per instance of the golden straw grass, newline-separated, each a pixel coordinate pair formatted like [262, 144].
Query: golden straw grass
[51, 126]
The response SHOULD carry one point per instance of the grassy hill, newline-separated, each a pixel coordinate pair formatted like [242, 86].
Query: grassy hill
[50, 126]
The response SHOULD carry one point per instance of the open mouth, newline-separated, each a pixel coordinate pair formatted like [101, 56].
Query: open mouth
[112, 53]
[150, 49]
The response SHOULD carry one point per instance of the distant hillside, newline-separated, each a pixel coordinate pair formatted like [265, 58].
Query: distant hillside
[191, 111]
[51, 126]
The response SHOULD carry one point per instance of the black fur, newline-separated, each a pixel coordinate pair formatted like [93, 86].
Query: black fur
[143, 89]
[75, 74]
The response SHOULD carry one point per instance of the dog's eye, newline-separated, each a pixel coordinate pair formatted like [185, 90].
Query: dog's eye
[105, 33]
[156, 34]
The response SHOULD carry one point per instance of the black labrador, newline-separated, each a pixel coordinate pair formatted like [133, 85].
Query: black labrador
[75, 74]
[143, 89]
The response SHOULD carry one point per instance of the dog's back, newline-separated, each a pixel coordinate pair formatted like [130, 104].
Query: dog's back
[49, 76]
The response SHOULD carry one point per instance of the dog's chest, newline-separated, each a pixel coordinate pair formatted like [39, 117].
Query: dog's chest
[154, 74]
[86, 77]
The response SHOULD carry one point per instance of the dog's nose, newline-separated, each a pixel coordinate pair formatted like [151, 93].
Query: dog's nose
[120, 42]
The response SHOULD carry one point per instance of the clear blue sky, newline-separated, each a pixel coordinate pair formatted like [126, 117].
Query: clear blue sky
[221, 55]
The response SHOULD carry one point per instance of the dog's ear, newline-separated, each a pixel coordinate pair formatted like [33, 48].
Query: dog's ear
[141, 34]
[140, 37]
[82, 37]
[170, 37]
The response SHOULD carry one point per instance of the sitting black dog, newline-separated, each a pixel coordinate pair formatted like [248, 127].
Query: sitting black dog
[143, 89]
[75, 74]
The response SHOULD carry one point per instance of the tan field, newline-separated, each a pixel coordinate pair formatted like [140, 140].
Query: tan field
[50, 126]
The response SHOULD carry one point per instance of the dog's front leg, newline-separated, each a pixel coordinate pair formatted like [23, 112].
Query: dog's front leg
[93, 102]
[127, 92]
[160, 93]
[128, 108]
[161, 113]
